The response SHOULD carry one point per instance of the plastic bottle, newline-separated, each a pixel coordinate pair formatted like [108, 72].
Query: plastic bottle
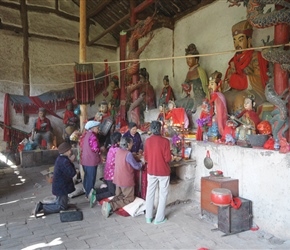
[276, 145]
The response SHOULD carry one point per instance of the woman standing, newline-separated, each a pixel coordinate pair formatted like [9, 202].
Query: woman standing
[109, 171]
[90, 155]
[135, 136]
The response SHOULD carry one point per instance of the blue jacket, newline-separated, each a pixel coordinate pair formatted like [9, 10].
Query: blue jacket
[64, 171]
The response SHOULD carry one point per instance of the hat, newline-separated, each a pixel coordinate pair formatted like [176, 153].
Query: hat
[91, 124]
[41, 110]
[64, 147]
[243, 27]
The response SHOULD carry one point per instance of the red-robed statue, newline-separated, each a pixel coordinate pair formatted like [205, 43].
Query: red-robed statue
[246, 73]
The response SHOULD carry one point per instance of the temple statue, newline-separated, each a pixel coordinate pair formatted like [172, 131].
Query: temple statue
[246, 73]
[147, 88]
[116, 92]
[248, 119]
[166, 93]
[218, 102]
[196, 80]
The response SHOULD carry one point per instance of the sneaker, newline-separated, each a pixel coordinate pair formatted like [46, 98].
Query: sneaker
[93, 198]
[148, 220]
[106, 209]
[160, 222]
[90, 194]
[37, 209]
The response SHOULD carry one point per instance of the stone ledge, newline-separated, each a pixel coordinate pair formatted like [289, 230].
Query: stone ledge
[35, 158]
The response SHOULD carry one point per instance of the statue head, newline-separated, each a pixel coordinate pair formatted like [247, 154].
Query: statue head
[103, 107]
[249, 103]
[191, 50]
[114, 83]
[242, 35]
[166, 81]
[143, 73]
[171, 105]
[41, 112]
[215, 81]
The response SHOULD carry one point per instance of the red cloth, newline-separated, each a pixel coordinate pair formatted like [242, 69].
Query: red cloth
[68, 114]
[252, 115]
[239, 79]
[84, 84]
[157, 154]
[141, 191]
[177, 115]
[6, 136]
[40, 104]
[220, 107]
[39, 122]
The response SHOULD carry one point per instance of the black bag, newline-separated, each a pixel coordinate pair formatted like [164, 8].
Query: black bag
[71, 215]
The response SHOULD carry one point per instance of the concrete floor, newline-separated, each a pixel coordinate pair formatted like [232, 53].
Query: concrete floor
[22, 188]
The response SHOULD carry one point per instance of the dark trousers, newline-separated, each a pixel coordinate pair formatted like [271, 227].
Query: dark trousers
[124, 196]
[89, 178]
[110, 190]
[61, 203]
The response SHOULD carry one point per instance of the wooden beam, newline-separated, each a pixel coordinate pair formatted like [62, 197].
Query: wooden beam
[82, 54]
[142, 6]
[25, 64]
[100, 7]
[108, 30]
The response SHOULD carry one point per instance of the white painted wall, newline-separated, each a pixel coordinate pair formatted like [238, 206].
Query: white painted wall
[263, 178]
[210, 30]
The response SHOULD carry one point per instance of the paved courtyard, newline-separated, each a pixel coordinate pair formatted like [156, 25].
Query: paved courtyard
[22, 188]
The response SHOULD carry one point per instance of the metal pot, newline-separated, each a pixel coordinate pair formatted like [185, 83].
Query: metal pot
[221, 196]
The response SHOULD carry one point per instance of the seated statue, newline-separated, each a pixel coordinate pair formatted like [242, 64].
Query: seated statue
[246, 73]
[248, 118]
[70, 121]
[42, 129]
[166, 93]
[196, 79]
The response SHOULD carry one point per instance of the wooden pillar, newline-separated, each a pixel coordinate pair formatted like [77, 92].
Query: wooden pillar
[25, 63]
[82, 54]
[123, 43]
[281, 36]
[135, 78]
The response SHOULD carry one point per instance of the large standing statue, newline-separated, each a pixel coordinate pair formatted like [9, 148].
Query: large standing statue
[246, 73]
[196, 79]
[148, 89]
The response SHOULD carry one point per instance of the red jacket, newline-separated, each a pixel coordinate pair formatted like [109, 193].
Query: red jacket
[157, 154]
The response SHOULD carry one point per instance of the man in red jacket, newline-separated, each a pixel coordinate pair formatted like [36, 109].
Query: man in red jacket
[157, 154]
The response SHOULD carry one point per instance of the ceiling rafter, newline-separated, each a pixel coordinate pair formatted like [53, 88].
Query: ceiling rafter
[101, 6]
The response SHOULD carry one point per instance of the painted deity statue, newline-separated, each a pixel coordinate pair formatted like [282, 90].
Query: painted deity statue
[166, 93]
[248, 118]
[246, 73]
[116, 91]
[218, 101]
[148, 89]
[196, 80]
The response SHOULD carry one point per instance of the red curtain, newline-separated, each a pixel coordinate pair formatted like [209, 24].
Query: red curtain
[84, 83]
[6, 136]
